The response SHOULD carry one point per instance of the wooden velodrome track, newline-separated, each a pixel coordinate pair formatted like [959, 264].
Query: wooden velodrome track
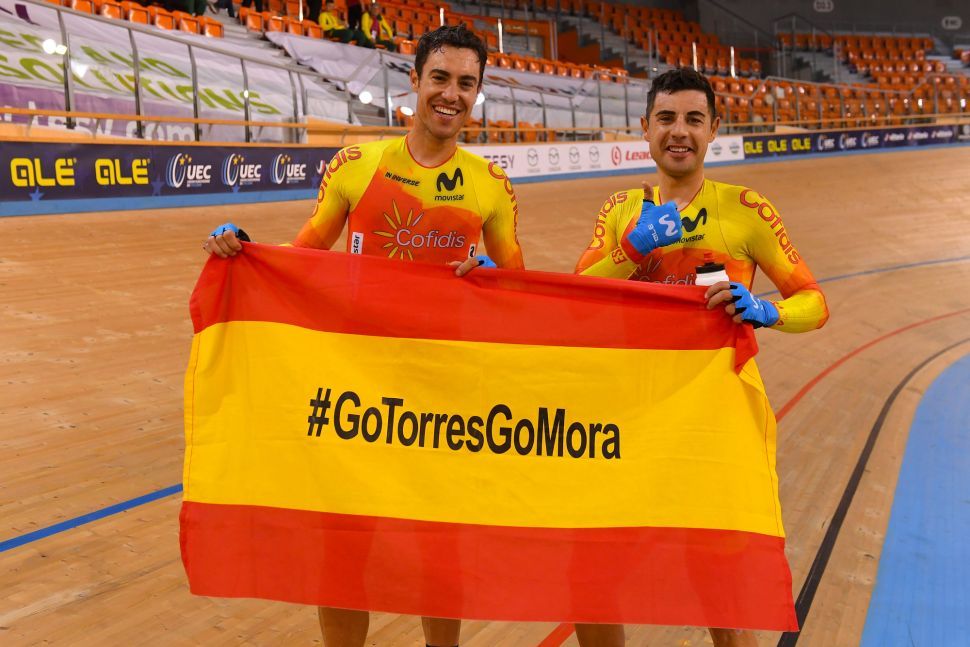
[94, 340]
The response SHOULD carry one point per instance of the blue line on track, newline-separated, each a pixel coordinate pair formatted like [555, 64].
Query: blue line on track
[920, 596]
[175, 489]
[87, 518]
[135, 203]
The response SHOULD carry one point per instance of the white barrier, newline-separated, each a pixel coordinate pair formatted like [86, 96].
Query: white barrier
[595, 158]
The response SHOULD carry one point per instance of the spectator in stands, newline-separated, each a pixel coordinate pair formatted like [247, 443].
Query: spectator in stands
[223, 4]
[376, 28]
[259, 4]
[354, 11]
[195, 7]
[314, 10]
[640, 240]
[334, 29]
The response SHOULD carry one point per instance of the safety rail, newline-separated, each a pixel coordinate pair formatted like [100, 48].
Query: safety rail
[332, 134]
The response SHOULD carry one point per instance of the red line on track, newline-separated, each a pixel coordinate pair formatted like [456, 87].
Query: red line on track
[561, 633]
[842, 360]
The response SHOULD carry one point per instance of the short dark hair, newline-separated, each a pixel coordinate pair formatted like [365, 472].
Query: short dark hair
[456, 36]
[682, 78]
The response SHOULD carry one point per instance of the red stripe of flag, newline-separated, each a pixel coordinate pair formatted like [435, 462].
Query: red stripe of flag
[374, 296]
[666, 576]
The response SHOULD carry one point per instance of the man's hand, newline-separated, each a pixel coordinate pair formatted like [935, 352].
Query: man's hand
[224, 241]
[742, 306]
[656, 227]
[461, 269]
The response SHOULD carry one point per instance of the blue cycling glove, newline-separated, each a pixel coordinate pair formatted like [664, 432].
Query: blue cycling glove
[755, 311]
[656, 227]
[240, 234]
[485, 261]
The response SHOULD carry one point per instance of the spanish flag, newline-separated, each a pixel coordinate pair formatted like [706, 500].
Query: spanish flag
[370, 434]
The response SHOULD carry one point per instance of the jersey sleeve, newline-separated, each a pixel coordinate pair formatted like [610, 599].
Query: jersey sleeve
[501, 220]
[333, 203]
[802, 307]
[604, 256]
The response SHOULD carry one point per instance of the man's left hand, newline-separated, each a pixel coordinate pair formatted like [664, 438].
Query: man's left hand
[461, 269]
[741, 305]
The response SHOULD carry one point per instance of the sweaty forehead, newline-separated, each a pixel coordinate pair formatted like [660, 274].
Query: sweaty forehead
[681, 102]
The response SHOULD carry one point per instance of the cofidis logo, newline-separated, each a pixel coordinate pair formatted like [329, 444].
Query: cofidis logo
[236, 172]
[180, 171]
[284, 171]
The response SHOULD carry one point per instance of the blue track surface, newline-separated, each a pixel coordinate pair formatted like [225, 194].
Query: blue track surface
[922, 596]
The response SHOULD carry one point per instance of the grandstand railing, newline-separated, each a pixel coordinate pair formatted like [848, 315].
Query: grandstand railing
[502, 101]
[294, 75]
[339, 135]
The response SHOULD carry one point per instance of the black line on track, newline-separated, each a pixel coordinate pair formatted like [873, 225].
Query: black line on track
[807, 595]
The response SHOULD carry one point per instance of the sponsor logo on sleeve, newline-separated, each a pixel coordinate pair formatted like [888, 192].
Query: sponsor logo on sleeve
[758, 203]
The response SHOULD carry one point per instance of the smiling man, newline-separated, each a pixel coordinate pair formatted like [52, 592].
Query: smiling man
[662, 234]
[418, 197]
[414, 198]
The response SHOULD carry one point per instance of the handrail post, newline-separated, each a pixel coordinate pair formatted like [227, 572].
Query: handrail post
[515, 115]
[136, 63]
[247, 108]
[197, 127]
[68, 72]
[288, 134]
[387, 90]
[626, 105]
[599, 97]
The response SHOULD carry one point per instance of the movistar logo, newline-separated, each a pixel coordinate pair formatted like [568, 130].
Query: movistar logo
[450, 182]
[691, 225]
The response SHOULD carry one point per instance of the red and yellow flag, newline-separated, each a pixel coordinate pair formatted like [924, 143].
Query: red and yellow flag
[369, 434]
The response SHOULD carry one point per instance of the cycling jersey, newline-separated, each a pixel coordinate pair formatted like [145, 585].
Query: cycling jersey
[738, 226]
[397, 208]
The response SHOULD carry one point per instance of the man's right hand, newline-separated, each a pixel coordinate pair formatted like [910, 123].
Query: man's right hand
[224, 241]
[657, 226]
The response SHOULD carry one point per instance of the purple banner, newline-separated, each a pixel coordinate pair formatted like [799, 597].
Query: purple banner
[35, 172]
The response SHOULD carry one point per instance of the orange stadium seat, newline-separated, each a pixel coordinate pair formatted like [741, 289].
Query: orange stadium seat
[210, 27]
[112, 10]
[312, 29]
[135, 12]
[189, 25]
[83, 5]
[275, 23]
[253, 21]
[473, 131]
[161, 18]
[292, 8]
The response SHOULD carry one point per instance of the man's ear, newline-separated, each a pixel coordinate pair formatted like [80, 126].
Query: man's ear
[414, 79]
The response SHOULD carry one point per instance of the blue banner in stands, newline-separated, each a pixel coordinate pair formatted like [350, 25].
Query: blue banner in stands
[756, 146]
[152, 175]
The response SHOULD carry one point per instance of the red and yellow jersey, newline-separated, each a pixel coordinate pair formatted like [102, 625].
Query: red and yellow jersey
[739, 226]
[397, 208]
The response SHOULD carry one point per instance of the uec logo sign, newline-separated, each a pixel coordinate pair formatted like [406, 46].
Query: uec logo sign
[284, 171]
[236, 172]
[180, 171]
